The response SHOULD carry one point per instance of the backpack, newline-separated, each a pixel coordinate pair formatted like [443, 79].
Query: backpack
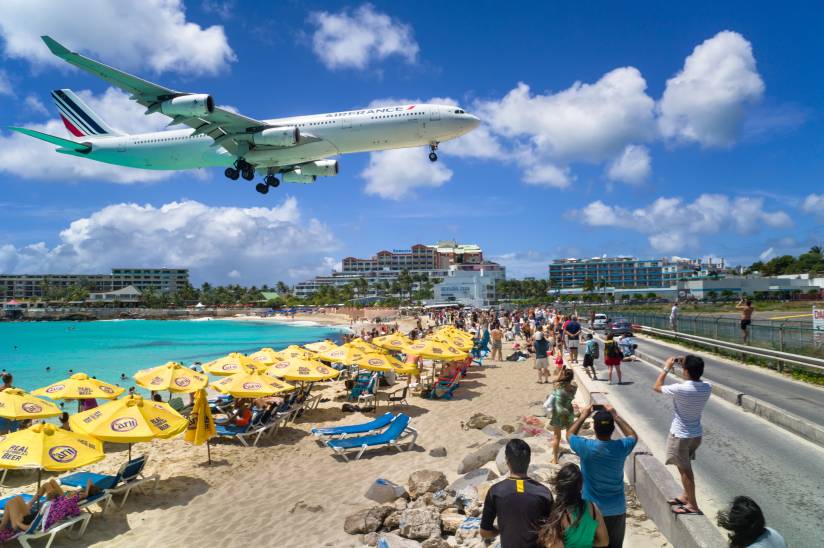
[596, 350]
[612, 350]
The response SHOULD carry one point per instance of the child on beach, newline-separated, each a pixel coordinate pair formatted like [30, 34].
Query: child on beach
[591, 352]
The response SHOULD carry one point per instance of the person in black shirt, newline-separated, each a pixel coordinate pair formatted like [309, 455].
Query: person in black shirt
[521, 504]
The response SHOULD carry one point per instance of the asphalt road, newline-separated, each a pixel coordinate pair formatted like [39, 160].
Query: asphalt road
[741, 454]
[804, 400]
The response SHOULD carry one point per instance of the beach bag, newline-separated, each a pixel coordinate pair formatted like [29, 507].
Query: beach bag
[596, 350]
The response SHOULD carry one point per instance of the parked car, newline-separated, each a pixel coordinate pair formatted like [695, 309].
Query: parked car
[600, 322]
[619, 326]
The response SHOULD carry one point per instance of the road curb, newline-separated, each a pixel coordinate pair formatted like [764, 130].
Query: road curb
[784, 419]
[654, 485]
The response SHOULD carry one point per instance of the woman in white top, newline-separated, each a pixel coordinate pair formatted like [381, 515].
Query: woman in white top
[745, 521]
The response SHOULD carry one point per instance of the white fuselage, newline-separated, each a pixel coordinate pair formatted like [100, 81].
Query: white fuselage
[322, 136]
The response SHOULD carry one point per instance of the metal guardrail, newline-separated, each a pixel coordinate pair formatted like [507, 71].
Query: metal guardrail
[809, 363]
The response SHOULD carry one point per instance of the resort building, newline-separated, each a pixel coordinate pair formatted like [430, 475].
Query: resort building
[38, 286]
[127, 295]
[629, 272]
[470, 286]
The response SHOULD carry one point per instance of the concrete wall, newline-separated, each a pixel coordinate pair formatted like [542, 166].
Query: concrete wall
[654, 485]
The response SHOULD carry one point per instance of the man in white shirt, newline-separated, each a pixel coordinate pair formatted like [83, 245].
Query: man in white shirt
[689, 398]
[674, 317]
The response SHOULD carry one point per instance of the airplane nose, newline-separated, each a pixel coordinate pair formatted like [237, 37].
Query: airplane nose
[474, 121]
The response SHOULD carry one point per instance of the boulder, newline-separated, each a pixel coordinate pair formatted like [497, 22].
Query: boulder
[393, 520]
[508, 428]
[370, 539]
[396, 541]
[425, 481]
[400, 504]
[420, 523]
[493, 431]
[451, 519]
[472, 479]
[435, 542]
[444, 498]
[438, 452]
[500, 461]
[367, 520]
[466, 498]
[479, 420]
[480, 456]
[469, 529]
[382, 491]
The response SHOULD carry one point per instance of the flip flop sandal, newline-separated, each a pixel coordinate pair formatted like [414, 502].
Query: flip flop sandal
[684, 511]
[676, 502]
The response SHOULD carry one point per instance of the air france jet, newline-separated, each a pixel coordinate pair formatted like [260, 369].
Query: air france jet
[298, 149]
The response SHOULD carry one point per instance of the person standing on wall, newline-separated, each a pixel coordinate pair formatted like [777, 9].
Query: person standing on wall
[746, 308]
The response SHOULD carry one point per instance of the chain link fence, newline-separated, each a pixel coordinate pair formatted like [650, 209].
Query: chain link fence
[793, 336]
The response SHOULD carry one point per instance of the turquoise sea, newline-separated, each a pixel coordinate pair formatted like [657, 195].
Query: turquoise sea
[107, 349]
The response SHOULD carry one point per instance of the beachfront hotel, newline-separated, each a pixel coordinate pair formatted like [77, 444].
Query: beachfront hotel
[629, 272]
[36, 286]
[463, 273]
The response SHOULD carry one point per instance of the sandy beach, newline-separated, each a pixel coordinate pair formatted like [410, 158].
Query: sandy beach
[291, 492]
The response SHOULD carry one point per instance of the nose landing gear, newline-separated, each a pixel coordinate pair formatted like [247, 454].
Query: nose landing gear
[433, 156]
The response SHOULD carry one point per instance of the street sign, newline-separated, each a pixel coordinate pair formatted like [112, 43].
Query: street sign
[818, 325]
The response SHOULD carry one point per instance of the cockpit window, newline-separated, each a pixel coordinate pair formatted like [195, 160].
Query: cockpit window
[459, 111]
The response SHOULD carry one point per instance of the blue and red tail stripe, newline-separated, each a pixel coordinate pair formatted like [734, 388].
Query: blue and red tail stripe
[76, 120]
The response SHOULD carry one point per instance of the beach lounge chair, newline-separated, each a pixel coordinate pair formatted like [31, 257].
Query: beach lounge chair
[36, 530]
[262, 423]
[444, 387]
[129, 476]
[363, 383]
[397, 431]
[344, 431]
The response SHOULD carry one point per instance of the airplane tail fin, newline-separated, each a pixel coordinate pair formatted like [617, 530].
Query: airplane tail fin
[79, 119]
[65, 145]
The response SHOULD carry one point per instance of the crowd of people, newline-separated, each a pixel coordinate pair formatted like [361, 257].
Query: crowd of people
[588, 507]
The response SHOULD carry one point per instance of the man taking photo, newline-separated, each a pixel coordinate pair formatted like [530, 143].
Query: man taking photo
[602, 464]
[688, 398]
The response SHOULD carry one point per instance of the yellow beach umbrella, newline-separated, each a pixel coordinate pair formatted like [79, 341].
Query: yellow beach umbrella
[321, 346]
[265, 357]
[392, 342]
[47, 447]
[302, 370]
[453, 339]
[231, 364]
[294, 351]
[18, 405]
[172, 376]
[384, 362]
[346, 354]
[245, 385]
[201, 427]
[129, 420]
[434, 350]
[79, 387]
[367, 346]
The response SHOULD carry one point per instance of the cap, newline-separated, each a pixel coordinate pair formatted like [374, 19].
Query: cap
[603, 423]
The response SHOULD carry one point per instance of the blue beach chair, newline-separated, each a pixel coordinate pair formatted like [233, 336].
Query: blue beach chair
[398, 430]
[36, 527]
[129, 476]
[344, 431]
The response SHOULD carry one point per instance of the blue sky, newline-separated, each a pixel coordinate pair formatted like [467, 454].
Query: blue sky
[643, 129]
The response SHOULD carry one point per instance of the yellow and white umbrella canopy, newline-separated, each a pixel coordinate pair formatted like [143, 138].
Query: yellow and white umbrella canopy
[434, 350]
[392, 342]
[172, 376]
[18, 405]
[321, 346]
[129, 420]
[201, 426]
[265, 357]
[245, 385]
[294, 351]
[231, 364]
[346, 354]
[48, 447]
[366, 346]
[385, 362]
[79, 387]
[302, 370]
[461, 343]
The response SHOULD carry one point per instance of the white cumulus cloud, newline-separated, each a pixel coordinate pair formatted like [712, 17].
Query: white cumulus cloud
[34, 104]
[814, 204]
[672, 225]
[218, 244]
[633, 166]
[31, 158]
[152, 34]
[356, 38]
[395, 174]
[705, 102]
[5, 84]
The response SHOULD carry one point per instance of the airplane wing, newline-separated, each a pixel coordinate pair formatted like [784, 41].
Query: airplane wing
[229, 129]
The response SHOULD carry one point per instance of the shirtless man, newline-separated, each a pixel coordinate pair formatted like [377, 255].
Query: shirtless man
[745, 306]
[496, 338]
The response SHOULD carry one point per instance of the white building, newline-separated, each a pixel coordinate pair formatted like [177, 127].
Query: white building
[475, 287]
[127, 295]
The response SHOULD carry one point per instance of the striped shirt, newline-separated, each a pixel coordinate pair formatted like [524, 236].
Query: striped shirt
[689, 399]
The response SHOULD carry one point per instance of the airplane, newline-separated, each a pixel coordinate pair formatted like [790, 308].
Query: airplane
[298, 148]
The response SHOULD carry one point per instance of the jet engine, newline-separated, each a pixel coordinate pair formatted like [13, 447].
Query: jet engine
[297, 177]
[277, 136]
[188, 105]
[322, 168]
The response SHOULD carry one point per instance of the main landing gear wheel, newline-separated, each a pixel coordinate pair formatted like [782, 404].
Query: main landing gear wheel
[248, 173]
[262, 188]
[232, 173]
[433, 157]
[271, 181]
